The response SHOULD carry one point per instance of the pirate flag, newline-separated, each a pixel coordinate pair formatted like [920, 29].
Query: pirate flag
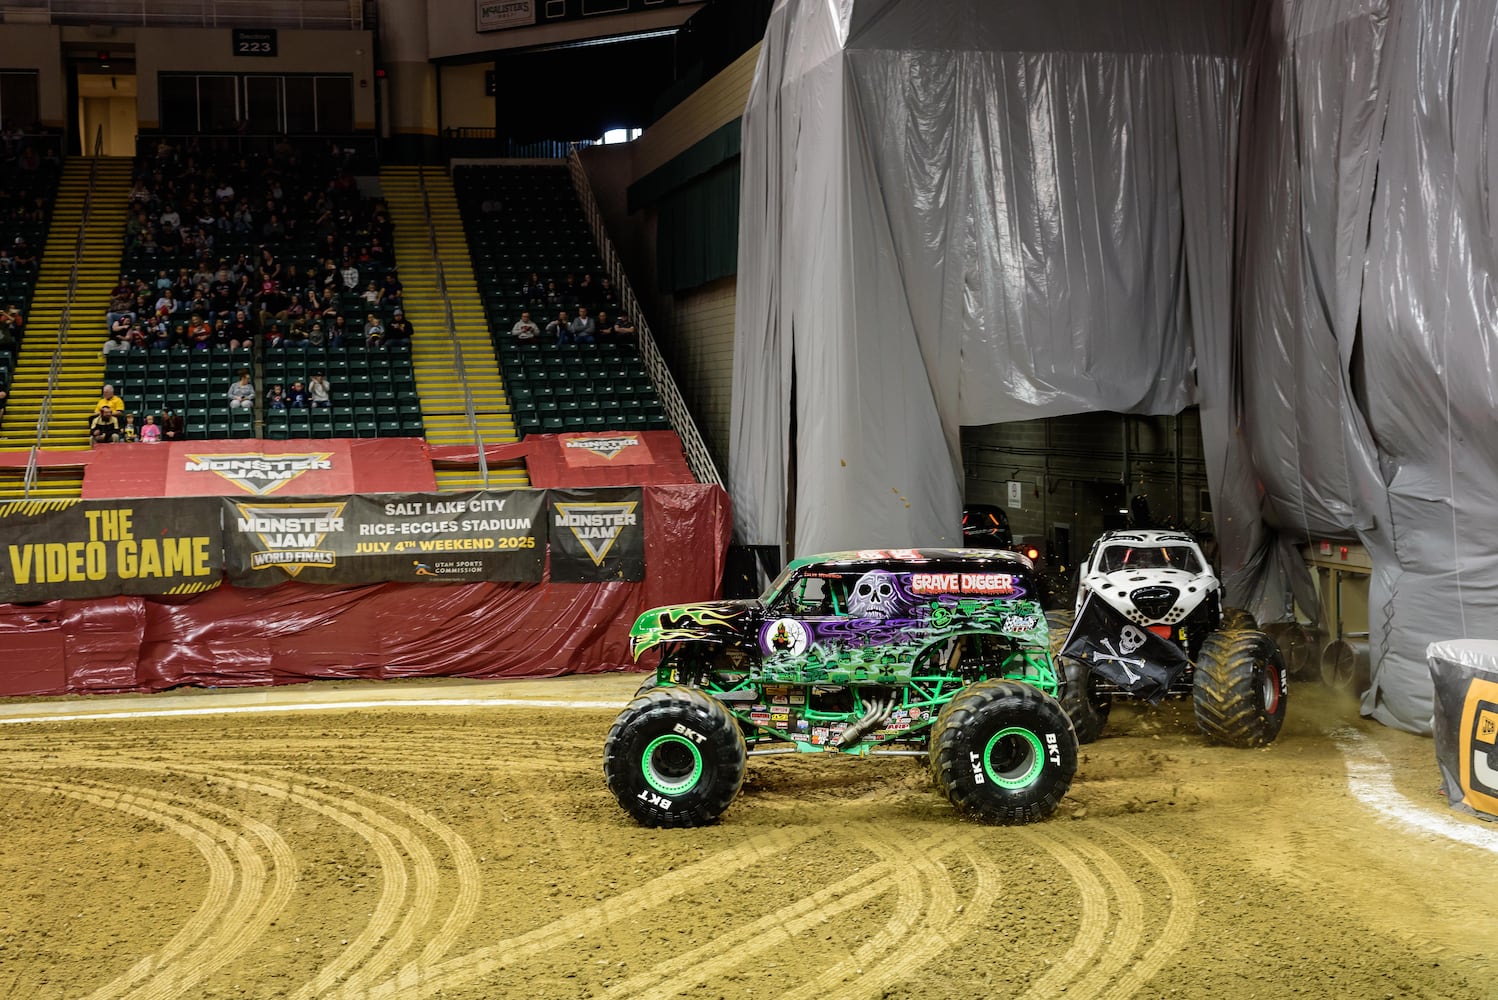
[1138, 661]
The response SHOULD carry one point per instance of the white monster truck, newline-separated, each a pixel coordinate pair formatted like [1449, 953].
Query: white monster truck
[1149, 622]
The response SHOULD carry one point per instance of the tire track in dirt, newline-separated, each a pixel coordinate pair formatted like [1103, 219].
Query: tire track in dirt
[461, 970]
[1179, 921]
[908, 940]
[237, 906]
[1127, 927]
[407, 899]
[782, 927]
[1094, 919]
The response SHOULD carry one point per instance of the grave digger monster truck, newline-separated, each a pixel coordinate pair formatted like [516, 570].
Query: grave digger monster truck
[1149, 622]
[936, 653]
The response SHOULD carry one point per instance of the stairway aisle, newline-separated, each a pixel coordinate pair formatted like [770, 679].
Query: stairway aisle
[431, 351]
[82, 363]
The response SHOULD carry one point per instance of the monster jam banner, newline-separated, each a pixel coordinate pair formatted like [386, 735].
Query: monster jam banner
[1134, 658]
[1465, 722]
[597, 535]
[85, 548]
[491, 535]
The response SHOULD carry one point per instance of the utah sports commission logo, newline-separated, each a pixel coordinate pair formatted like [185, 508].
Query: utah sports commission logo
[596, 525]
[1478, 747]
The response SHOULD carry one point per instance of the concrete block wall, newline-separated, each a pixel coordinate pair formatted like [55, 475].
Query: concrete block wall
[1074, 470]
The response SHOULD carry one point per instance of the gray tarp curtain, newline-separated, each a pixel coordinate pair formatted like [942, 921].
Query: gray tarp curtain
[969, 211]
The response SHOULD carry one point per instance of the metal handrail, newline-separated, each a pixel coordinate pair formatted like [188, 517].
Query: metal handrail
[452, 333]
[64, 323]
[699, 458]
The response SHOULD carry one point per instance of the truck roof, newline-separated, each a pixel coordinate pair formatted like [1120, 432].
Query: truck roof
[912, 557]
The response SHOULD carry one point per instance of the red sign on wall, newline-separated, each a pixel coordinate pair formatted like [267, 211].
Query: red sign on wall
[608, 448]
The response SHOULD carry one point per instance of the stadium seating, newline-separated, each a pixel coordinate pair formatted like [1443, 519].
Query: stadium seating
[521, 219]
[373, 391]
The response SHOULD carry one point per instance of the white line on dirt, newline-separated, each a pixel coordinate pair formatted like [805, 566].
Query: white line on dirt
[319, 706]
[1369, 781]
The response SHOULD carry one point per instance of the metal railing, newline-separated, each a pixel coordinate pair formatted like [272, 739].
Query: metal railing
[459, 369]
[64, 322]
[698, 457]
[326, 14]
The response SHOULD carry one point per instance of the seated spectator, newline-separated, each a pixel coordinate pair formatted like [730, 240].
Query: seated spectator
[296, 396]
[200, 334]
[104, 428]
[318, 395]
[109, 399]
[374, 332]
[3, 396]
[275, 399]
[553, 297]
[584, 329]
[167, 303]
[372, 294]
[118, 343]
[607, 295]
[605, 328]
[534, 289]
[242, 393]
[121, 323]
[169, 239]
[161, 336]
[624, 330]
[561, 329]
[399, 331]
[337, 330]
[23, 256]
[317, 337]
[173, 427]
[350, 273]
[138, 339]
[524, 329]
[9, 344]
[241, 333]
[150, 433]
[128, 433]
[391, 291]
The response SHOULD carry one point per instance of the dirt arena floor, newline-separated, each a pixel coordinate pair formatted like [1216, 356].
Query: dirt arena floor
[474, 852]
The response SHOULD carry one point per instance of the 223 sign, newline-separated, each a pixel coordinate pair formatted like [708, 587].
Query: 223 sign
[255, 42]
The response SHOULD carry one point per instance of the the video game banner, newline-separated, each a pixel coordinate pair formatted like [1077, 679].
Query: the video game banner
[489, 535]
[56, 549]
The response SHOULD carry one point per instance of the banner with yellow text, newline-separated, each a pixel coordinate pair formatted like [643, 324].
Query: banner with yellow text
[488, 535]
[56, 549]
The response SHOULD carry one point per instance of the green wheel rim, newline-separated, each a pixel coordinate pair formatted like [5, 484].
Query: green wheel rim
[1013, 757]
[671, 764]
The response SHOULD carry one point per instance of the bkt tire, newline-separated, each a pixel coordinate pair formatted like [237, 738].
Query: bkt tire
[1240, 689]
[1003, 752]
[1080, 696]
[674, 757]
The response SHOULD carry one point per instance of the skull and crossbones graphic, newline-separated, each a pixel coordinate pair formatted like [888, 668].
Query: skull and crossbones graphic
[1129, 639]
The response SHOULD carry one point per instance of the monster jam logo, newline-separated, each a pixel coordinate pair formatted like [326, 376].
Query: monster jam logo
[290, 533]
[1478, 747]
[604, 447]
[257, 473]
[596, 525]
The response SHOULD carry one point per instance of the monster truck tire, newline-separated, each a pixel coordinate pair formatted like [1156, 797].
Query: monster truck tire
[1238, 620]
[1080, 698]
[1240, 688]
[1003, 752]
[674, 758]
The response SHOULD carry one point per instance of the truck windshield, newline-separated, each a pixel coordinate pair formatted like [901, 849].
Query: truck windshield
[1121, 557]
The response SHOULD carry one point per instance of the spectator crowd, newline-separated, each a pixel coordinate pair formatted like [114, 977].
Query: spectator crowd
[580, 311]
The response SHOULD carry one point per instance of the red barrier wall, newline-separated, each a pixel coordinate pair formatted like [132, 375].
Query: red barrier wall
[242, 637]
